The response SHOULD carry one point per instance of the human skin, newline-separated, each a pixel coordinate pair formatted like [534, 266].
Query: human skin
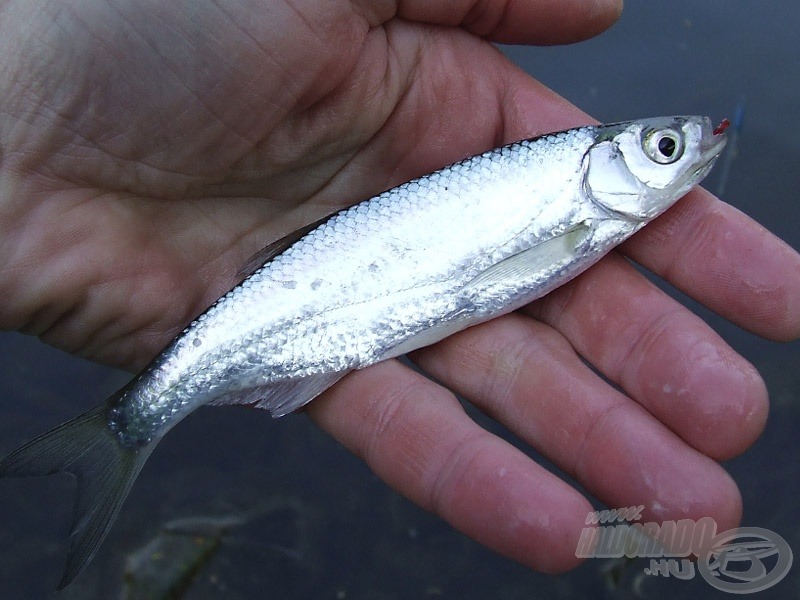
[148, 149]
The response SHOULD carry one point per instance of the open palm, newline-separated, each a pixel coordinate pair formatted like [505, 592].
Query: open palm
[147, 149]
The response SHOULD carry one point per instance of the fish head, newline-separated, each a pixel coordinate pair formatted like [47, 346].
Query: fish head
[638, 169]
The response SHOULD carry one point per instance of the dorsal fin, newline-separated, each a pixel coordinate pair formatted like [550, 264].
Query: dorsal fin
[267, 253]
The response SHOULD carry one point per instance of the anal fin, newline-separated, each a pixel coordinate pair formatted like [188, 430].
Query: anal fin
[283, 397]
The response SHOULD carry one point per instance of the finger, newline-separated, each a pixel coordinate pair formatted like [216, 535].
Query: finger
[529, 21]
[528, 377]
[662, 355]
[725, 260]
[417, 438]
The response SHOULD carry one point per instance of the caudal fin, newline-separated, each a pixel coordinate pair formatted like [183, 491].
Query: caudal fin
[105, 470]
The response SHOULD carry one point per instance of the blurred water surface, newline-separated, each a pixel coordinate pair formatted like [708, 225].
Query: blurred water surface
[293, 515]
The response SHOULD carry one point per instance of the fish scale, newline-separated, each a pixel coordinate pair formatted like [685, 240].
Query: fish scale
[392, 274]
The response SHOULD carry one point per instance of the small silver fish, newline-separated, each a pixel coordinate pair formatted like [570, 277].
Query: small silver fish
[394, 273]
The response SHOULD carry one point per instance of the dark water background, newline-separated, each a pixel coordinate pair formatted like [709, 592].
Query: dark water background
[293, 515]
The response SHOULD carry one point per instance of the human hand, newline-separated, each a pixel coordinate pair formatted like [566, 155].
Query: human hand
[144, 159]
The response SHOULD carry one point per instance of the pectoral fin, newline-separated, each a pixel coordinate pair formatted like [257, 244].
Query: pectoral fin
[530, 264]
[513, 272]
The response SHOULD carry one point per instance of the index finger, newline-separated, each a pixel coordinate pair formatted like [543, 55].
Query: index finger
[726, 261]
[522, 22]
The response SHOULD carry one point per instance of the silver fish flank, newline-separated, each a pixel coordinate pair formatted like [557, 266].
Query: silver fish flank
[394, 273]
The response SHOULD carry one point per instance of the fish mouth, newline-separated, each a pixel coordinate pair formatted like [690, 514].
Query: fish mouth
[712, 144]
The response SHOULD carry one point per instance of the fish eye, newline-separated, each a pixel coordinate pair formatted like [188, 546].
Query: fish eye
[664, 146]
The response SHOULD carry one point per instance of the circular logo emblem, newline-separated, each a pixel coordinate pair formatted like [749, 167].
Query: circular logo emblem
[745, 560]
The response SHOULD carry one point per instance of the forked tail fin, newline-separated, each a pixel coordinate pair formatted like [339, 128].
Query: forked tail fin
[105, 470]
